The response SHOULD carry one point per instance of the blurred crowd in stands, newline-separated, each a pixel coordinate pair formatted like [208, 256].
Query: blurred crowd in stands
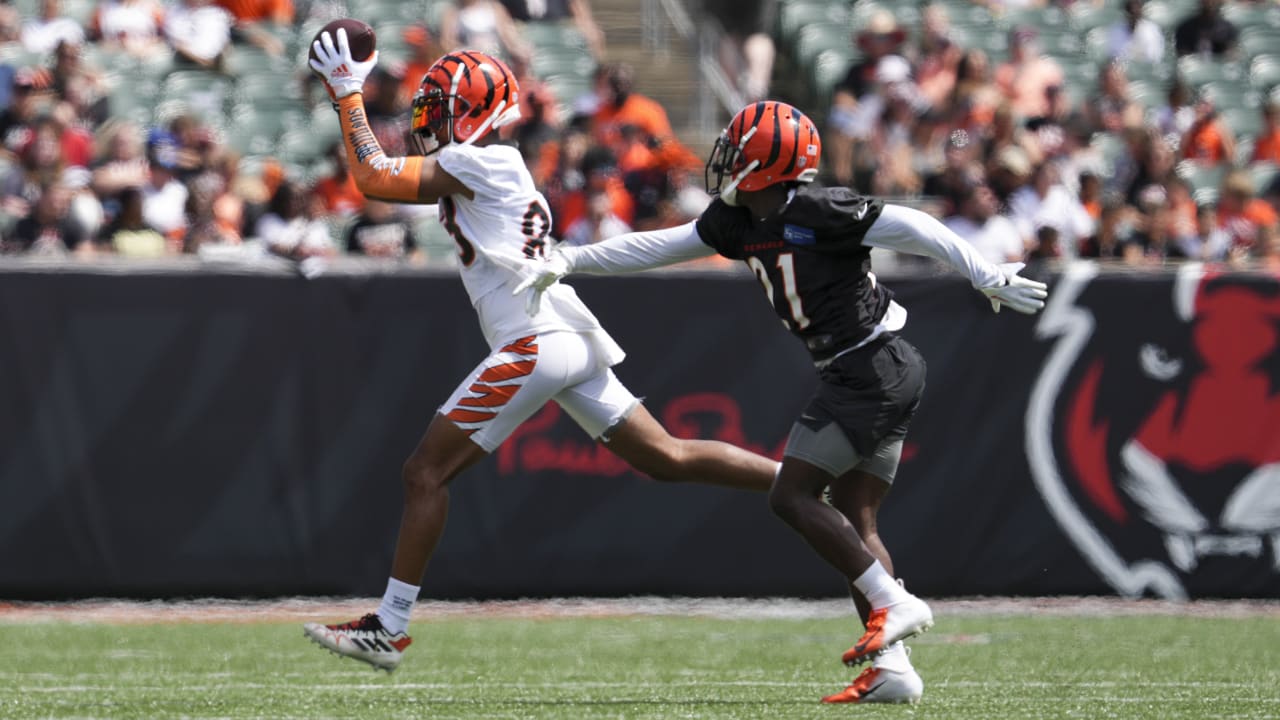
[77, 177]
[1022, 155]
[1028, 157]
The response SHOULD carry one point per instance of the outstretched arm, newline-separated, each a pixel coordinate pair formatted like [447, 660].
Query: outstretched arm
[619, 254]
[402, 179]
[911, 231]
[637, 251]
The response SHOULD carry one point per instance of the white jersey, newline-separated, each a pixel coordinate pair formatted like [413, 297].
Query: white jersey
[497, 231]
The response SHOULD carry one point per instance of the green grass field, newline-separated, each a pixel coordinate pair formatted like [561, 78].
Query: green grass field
[974, 665]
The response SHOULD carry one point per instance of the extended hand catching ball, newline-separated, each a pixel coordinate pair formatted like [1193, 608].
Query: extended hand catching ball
[359, 35]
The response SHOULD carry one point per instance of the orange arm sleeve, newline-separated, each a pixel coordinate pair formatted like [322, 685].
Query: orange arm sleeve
[378, 176]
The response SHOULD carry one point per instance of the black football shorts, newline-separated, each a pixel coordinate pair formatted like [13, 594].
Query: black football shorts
[858, 416]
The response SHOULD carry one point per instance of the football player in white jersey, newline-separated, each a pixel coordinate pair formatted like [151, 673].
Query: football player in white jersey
[553, 349]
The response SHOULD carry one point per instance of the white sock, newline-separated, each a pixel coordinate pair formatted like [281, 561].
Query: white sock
[895, 658]
[397, 605]
[879, 587]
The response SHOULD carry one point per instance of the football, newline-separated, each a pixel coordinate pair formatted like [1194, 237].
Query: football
[359, 35]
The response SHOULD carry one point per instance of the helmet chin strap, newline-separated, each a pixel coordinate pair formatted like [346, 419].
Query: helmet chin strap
[453, 98]
[484, 126]
[730, 194]
[426, 143]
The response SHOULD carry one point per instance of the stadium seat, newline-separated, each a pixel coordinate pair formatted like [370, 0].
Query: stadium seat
[1259, 41]
[200, 90]
[799, 14]
[829, 68]
[559, 60]
[134, 99]
[1109, 147]
[1264, 72]
[550, 34]
[276, 90]
[1167, 14]
[79, 10]
[299, 146]
[567, 89]
[1064, 44]
[14, 55]
[966, 12]
[1158, 73]
[1048, 19]
[1084, 16]
[244, 60]
[814, 39]
[1247, 14]
[1243, 121]
[1196, 71]
[435, 242]
[1147, 93]
[1228, 94]
[1263, 174]
[1203, 179]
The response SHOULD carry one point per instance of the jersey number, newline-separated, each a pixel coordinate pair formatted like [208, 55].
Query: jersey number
[535, 225]
[787, 264]
[448, 218]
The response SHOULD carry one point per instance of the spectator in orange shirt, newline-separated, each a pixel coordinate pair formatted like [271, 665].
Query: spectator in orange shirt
[249, 11]
[620, 105]
[250, 15]
[599, 175]
[1267, 149]
[1247, 219]
[338, 192]
[1209, 141]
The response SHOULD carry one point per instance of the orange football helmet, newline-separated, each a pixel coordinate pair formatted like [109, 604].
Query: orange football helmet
[466, 94]
[767, 142]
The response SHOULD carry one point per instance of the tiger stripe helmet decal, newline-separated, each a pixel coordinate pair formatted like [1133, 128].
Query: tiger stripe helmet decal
[464, 95]
[767, 142]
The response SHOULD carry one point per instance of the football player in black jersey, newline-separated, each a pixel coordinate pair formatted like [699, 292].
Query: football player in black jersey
[810, 247]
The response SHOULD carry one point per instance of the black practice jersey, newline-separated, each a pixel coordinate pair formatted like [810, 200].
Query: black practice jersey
[811, 261]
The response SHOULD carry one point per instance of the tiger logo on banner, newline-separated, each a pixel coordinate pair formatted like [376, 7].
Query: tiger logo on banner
[1153, 429]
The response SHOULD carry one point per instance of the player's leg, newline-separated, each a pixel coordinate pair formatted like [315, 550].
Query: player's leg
[864, 398]
[604, 408]
[857, 495]
[890, 678]
[444, 452]
[502, 392]
[647, 446]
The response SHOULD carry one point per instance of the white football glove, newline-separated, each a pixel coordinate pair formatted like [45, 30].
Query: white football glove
[344, 75]
[539, 276]
[1019, 293]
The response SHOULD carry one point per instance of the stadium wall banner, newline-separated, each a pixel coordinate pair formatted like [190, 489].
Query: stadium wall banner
[186, 430]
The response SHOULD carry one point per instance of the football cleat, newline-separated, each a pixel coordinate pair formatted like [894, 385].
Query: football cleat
[364, 639]
[881, 685]
[888, 625]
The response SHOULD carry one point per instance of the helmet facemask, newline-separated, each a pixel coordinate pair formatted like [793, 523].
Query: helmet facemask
[431, 113]
[728, 158]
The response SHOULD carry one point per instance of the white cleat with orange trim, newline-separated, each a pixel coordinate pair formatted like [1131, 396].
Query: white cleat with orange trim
[890, 679]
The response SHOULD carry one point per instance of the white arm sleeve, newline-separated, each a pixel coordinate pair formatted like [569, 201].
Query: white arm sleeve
[911, 231]
[638, 251]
